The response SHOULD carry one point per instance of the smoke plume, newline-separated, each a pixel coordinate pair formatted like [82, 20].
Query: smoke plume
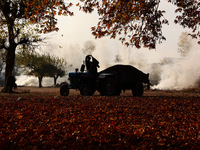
[180, 73]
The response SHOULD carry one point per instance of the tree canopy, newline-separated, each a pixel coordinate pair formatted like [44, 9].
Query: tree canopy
[184, 44]
[89, 47]
[33, 64]
[41, 65]
[58, 66]
[188, 15]
[139, 22]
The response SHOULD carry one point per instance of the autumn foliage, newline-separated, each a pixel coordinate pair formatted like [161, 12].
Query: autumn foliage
[139, 22]
[44, 12]
[98, 122]
[189, 15]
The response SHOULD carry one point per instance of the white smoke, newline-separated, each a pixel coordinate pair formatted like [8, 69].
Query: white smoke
[180, 73]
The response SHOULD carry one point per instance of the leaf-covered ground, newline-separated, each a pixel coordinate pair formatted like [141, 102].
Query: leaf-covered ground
[99, 122]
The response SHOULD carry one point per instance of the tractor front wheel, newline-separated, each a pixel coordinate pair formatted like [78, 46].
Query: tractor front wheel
[111, 87]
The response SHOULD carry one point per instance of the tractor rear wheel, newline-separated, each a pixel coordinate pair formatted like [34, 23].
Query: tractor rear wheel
[111, 87]
[85, 90]
[138, 89]
[64, 90]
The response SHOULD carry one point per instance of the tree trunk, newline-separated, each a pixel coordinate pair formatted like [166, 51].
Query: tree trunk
[55, 80]
[40, 81]
[10, 60]
[10, 63]
[10, 57]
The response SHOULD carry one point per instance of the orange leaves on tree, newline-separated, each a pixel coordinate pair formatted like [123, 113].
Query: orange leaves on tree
[120, 17]
[44, 12]
[188, 15]
[70, 4]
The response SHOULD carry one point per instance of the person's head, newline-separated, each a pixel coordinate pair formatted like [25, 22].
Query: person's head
[87, 59]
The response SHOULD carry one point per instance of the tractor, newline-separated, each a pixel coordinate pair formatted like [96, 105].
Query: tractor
[108, 82]
[84, 81]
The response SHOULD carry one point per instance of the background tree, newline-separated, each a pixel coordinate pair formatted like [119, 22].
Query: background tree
[16, 15]
[184, 44]
[41, 65]
[33, 64]
[59, 67]
[89, 47]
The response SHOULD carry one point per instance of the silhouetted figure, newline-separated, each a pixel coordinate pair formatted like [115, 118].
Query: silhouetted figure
[82, 67]
[88, 62]
[91, 65]
[11, 83]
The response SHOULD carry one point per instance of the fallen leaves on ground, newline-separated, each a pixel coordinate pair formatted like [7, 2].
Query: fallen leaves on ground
[99, 122]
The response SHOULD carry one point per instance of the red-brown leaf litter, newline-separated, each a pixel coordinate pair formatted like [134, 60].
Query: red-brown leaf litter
[50, 121]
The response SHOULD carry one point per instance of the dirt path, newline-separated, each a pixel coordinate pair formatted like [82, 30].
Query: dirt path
[55, 92]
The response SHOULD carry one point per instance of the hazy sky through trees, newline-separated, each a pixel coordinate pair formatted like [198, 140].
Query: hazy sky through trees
[77, 29]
